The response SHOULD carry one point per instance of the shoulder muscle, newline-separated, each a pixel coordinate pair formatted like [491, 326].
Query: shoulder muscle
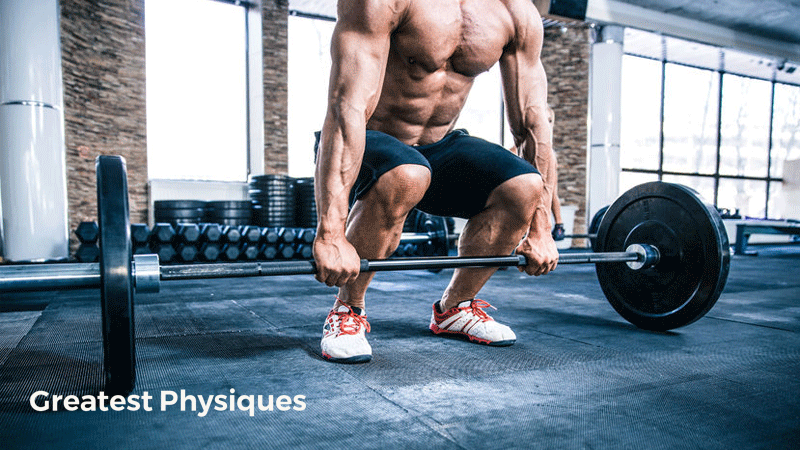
[371, 16]
[528, 29]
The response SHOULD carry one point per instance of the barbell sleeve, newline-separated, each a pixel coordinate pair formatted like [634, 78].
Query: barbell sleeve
[39, 277]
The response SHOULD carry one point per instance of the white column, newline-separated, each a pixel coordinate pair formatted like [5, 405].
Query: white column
[33, 183]
[605, 90]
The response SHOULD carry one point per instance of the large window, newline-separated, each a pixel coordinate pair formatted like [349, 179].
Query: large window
[309, 70]
[727, 135]
[197, 108]
[691, 98]
[641, 102]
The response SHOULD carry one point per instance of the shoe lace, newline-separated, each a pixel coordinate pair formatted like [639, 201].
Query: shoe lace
[476, 307]
[354, 324]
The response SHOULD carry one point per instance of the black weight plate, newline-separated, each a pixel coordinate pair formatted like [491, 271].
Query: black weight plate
[285, 196]
[228, 204]
[595, 224]
[179, 204]
[275, 214]
[285, 189]
[179, 220]
[231, 214]
[178, 213]
[273, 203]
[694, 248]
[256, 192]
[116, 290]
[270, 177]
[162, 217]
[277, 210]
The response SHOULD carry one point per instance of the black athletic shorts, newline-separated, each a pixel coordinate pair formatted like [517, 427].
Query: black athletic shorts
[464, 170]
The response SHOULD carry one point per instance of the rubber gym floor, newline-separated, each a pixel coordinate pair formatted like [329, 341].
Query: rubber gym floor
[579, 375]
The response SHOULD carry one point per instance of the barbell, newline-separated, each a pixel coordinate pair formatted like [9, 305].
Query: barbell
[663, 258]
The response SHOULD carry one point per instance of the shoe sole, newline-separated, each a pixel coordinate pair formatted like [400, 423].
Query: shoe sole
[357, 359]
[464, 336]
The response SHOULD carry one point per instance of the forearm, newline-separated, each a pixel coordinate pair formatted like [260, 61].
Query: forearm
[339, 156]
[536, 149]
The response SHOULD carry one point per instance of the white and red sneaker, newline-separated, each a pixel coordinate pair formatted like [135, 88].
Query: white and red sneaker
[343, 337]
[469, 320]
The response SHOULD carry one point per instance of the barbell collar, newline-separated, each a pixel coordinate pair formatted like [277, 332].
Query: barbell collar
[146, 274]
[648, 256]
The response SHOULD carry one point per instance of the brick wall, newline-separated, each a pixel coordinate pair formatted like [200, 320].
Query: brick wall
[102, 46]
[276, 98]
[566, 60]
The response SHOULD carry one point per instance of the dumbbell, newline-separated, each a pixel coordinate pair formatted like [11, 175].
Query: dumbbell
[188, 233]
[286, 251]
[165, 251]
[251, 234]
[87, 252]
[140, 234]
[268, 252]
[231, 234]
[187, 252]
[306, 235]
[163, 233]
[249, 251]
[270, 235]
[210, 251]
[87, 232]
[304, 251]
[287, 235]
[230, 252]
[210, 232]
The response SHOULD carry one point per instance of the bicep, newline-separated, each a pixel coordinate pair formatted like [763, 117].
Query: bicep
[524, 79]
[358, 64]
[359, 50]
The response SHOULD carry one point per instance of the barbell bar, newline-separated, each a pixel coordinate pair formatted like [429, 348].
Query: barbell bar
[147, 273]
[663, 258]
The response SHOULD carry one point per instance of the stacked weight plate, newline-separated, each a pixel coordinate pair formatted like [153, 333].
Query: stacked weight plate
[179, 211]
[273, 200]
[306, 205]
[229, 212]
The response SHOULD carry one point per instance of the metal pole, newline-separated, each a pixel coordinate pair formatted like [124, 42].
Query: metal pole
[267, 268]
[40, 277]
[423, 237]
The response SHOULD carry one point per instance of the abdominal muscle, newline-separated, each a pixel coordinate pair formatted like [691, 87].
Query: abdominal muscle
[416, 106]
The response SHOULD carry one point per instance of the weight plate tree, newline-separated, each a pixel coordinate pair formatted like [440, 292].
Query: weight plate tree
[116, 282]
[694, 256]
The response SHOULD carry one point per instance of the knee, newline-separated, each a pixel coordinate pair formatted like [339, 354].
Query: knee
[519, 196]
[400, 189]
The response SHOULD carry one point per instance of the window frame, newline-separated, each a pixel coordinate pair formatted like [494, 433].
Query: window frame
[716, 176]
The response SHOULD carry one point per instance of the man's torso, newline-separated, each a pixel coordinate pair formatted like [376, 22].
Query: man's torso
[436, 53]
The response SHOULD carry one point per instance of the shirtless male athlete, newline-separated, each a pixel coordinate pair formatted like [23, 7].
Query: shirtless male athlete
[401, 73]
